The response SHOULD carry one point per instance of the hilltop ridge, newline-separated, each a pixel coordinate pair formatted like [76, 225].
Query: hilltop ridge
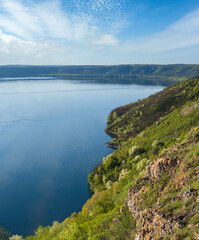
[144, 74]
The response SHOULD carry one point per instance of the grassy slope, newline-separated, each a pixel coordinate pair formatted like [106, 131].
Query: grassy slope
[134, 118]
[105, 215]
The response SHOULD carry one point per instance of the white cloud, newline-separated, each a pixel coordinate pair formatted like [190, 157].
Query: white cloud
[107, 39]
[49, 32]
[32, 21]
[49, 19]
[16, 51]
[181, 34]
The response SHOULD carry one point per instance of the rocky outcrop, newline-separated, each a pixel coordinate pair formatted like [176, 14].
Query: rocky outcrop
[161, 165]
[153, 225]
[112, 134]
[134, 200]
[112, 145]
[151, 221]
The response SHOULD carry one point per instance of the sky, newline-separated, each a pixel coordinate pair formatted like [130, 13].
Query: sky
[99, 32]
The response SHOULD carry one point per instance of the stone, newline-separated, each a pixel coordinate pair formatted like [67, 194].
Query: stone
[161, 165]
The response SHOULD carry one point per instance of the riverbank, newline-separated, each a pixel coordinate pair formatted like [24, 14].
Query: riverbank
[151, 181]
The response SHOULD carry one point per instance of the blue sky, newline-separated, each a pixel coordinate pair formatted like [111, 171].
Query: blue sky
[99, 31]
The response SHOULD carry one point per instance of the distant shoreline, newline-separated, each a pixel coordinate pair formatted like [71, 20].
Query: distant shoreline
[141, 74]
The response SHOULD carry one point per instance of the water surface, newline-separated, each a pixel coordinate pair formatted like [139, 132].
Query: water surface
[51, 137]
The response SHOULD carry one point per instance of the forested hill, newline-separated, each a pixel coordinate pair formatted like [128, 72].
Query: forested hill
[127, 74]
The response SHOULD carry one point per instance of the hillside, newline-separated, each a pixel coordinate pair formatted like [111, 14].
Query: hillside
[132, 119]
[127, 74]
[148, 188]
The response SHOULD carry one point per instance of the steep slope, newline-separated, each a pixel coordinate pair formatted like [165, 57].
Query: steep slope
[165, 202]
[148, 188]
[132, 119]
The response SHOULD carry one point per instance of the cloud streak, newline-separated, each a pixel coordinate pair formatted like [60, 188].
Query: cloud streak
[51, 32]
[181, 34]
[84, 32]
[50, 19]
[107, 39]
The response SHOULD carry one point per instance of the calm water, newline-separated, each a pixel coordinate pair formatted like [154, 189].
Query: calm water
[51, 137]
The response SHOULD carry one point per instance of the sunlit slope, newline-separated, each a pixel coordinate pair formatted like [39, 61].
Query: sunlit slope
[130, 120]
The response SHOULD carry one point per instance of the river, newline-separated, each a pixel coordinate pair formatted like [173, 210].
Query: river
[51, 137]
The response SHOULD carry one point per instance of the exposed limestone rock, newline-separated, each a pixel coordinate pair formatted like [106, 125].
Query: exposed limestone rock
[112, 145]
[151, 222]
[154, 224]
[134, 200]
[180, 181]
[160, 165]
[114, 134]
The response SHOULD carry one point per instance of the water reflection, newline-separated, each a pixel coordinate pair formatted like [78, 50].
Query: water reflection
[51, 137]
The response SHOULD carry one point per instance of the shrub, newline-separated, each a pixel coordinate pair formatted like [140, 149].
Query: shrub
[142, 164]
[115, 116]
[136, 159]
[109, 184]
[16, 237]
[111, 163]
[100, 202]
[123, 173]
[117, 186]
[134, 150]
[157, 143]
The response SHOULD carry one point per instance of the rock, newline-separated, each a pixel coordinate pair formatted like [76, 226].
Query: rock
[161, 165]
[133, 200]
[112, 145]
[190, 193]
[180, 181]
[151, 223]
[112, 134]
